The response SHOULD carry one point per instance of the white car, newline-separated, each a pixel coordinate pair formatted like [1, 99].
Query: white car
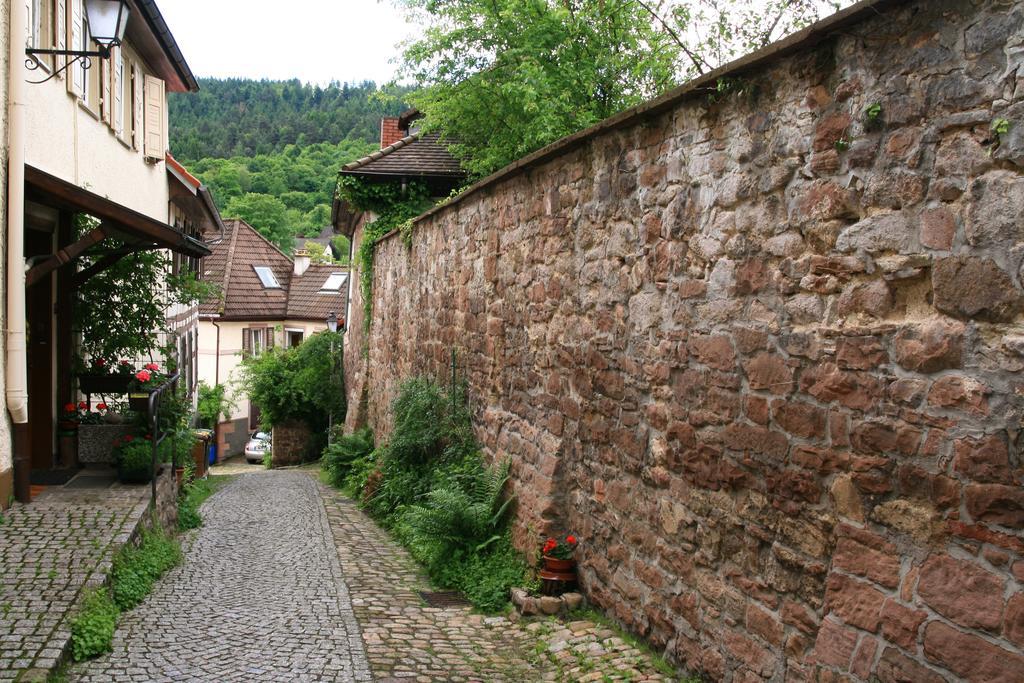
[258, 446]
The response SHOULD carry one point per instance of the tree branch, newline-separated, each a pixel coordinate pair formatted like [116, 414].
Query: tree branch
[697, 61]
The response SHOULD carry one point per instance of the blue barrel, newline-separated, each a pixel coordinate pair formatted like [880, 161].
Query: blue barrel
[211, 451]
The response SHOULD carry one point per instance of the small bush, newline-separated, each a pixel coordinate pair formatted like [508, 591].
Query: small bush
[136, 569]
[431, 487]
[195, 494]
[340, 456]
[92, 629]
[458, 518]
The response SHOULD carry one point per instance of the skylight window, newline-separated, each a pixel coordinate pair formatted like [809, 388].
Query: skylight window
[335, 282]
[267, 277]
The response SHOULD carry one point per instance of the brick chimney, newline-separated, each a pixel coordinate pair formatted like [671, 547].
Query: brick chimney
[390, 133]
[301, 261]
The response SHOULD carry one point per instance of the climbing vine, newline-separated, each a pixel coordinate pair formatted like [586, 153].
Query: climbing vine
[395, 206]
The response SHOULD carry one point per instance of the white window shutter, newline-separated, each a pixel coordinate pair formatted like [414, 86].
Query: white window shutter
[103, 66]
[137, 108]
[30, 33]
[117, 59]
[154, 119]
[60, 30]
[76, 84]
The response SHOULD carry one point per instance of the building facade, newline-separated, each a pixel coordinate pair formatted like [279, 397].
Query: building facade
[83, 138]
[266, 299]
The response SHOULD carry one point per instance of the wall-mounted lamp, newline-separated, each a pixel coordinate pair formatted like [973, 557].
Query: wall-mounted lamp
[106, 21]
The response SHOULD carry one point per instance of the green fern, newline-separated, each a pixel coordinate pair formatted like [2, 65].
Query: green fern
[458, 517]
[343, 453]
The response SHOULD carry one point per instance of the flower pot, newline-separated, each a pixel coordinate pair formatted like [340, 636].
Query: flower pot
[139, 401]
[104, 384]
[179, 475]
[67, 428]
[554, 564]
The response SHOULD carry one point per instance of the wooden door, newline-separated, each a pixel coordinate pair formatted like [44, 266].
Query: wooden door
[39, 312]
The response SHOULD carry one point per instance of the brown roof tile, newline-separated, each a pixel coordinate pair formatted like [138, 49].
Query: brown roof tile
[419, 154]
[242, 296]
[307, 301]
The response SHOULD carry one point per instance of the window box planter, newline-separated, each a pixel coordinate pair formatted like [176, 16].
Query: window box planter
[96, 442]
[104, 384]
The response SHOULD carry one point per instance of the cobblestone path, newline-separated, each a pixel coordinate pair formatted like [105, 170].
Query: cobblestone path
[259, 597]
[48, 551]
[405, 639]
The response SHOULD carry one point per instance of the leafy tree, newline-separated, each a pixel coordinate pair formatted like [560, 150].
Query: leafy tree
[504, 77]
[501, 78]
[265, 213]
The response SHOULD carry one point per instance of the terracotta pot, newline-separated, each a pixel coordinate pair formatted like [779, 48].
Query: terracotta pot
[179, 475]
[554, 564]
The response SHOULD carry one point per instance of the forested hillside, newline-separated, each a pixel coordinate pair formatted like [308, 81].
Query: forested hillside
[271, 150]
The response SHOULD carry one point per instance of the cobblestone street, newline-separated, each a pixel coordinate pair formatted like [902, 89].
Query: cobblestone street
[259, 597]
[48, 551]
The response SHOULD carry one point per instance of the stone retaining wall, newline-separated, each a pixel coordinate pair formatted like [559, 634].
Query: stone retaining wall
[290, 444]
[761, 353]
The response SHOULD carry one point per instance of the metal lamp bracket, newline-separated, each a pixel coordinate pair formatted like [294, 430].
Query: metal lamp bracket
[32, 62]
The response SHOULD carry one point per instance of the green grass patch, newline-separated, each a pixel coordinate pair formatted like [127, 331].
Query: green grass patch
[136, 568]
[134, 571]
[196, 493]
[92, 629]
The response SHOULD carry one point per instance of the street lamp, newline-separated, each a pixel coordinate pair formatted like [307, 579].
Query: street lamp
[107, 21]
[332, 321]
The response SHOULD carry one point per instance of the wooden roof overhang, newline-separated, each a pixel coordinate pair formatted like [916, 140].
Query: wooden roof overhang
[137, 231]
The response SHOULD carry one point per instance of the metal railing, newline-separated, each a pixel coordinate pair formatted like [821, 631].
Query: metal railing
[157, 433]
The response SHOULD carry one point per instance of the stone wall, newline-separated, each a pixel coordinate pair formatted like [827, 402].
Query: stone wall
[290, 444]
[762, 354]
[167, 499]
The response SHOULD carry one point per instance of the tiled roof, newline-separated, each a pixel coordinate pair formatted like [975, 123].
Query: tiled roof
[307, 302]
[242, 296]
[419, 154]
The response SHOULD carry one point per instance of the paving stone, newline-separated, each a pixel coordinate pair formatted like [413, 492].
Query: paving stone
[49, 551]
[259, 597]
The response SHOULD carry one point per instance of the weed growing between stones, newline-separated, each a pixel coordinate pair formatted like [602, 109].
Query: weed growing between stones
[92, 629]
[196, 493]
[431, 487]
[134, 571]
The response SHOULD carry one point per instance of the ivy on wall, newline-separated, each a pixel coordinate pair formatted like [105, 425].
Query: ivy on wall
[395, 206]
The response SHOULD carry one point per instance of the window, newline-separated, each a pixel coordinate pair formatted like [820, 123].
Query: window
[267, 277]
[256, 339]
[294, 337]
[335, 282]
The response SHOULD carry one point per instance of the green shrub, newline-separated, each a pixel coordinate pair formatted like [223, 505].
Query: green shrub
[486, 579]
[134, 459]
[92, 629]
[458, 518]
[341, 455]
[136, 569]
[431, 487]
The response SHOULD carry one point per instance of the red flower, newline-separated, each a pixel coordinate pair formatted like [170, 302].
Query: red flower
[82, 405]
[69, 407]
[549, 545]
[128, 438]
[101, 406]
[100, 362]
[151, 366]
[570, 539]
[124, 362]
[142, 376]
[148, 437]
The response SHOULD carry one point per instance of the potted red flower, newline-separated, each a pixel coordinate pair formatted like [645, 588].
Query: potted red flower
[101, 378]
[144, 383]
[558, 554]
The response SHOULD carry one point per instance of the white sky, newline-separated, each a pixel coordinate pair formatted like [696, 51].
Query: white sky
[315, 41]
